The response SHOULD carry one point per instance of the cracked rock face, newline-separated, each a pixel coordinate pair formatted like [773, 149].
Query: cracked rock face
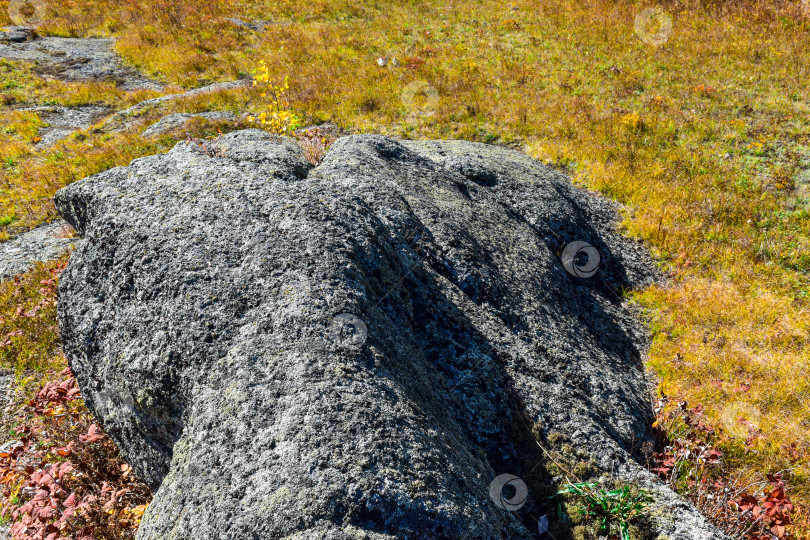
[356, 350]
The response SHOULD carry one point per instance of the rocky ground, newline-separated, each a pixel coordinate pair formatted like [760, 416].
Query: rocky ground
[357, 350]
[62, 121]
[81, 59]
[124, 119]
[72, 59]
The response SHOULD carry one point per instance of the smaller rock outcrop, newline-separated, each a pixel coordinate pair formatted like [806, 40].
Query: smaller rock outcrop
[17, 34]
[42, 244]
[123, 119]
[176, 121]
[61, 122]
[256, 26]
[74, 59]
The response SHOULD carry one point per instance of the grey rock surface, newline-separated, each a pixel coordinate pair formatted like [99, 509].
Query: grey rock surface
[77, 59]
[175, 121]
[44, 243]
[16, 34]
[355, 350]
[6, 387]
[123, 119]
[62, 121]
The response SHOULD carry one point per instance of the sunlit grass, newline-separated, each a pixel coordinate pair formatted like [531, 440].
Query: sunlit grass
[29, 336]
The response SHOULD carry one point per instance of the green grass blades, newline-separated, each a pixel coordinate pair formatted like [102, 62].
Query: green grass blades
[616, 506]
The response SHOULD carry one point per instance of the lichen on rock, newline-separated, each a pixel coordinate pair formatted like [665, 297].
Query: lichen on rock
[355, 350]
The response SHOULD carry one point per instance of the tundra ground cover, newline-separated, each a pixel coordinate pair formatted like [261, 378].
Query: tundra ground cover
[60, 475]
[704, 138]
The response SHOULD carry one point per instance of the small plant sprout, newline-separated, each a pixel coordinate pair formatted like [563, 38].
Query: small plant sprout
[279, 118]
[619, 506]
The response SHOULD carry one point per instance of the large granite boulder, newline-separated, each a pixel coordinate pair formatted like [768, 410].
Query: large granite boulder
[360, 349]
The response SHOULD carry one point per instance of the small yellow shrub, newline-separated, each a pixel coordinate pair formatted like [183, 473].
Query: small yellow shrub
[279, 118]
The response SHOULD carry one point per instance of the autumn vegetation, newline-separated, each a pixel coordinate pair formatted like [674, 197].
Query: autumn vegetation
[705, 140]
[61, 477]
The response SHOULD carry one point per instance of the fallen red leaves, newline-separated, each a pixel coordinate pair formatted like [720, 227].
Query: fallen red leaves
[64, 477]
[690, 463]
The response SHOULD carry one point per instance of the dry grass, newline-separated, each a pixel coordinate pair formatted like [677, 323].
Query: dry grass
[92, 492]
[702, 139]
[29, 337]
